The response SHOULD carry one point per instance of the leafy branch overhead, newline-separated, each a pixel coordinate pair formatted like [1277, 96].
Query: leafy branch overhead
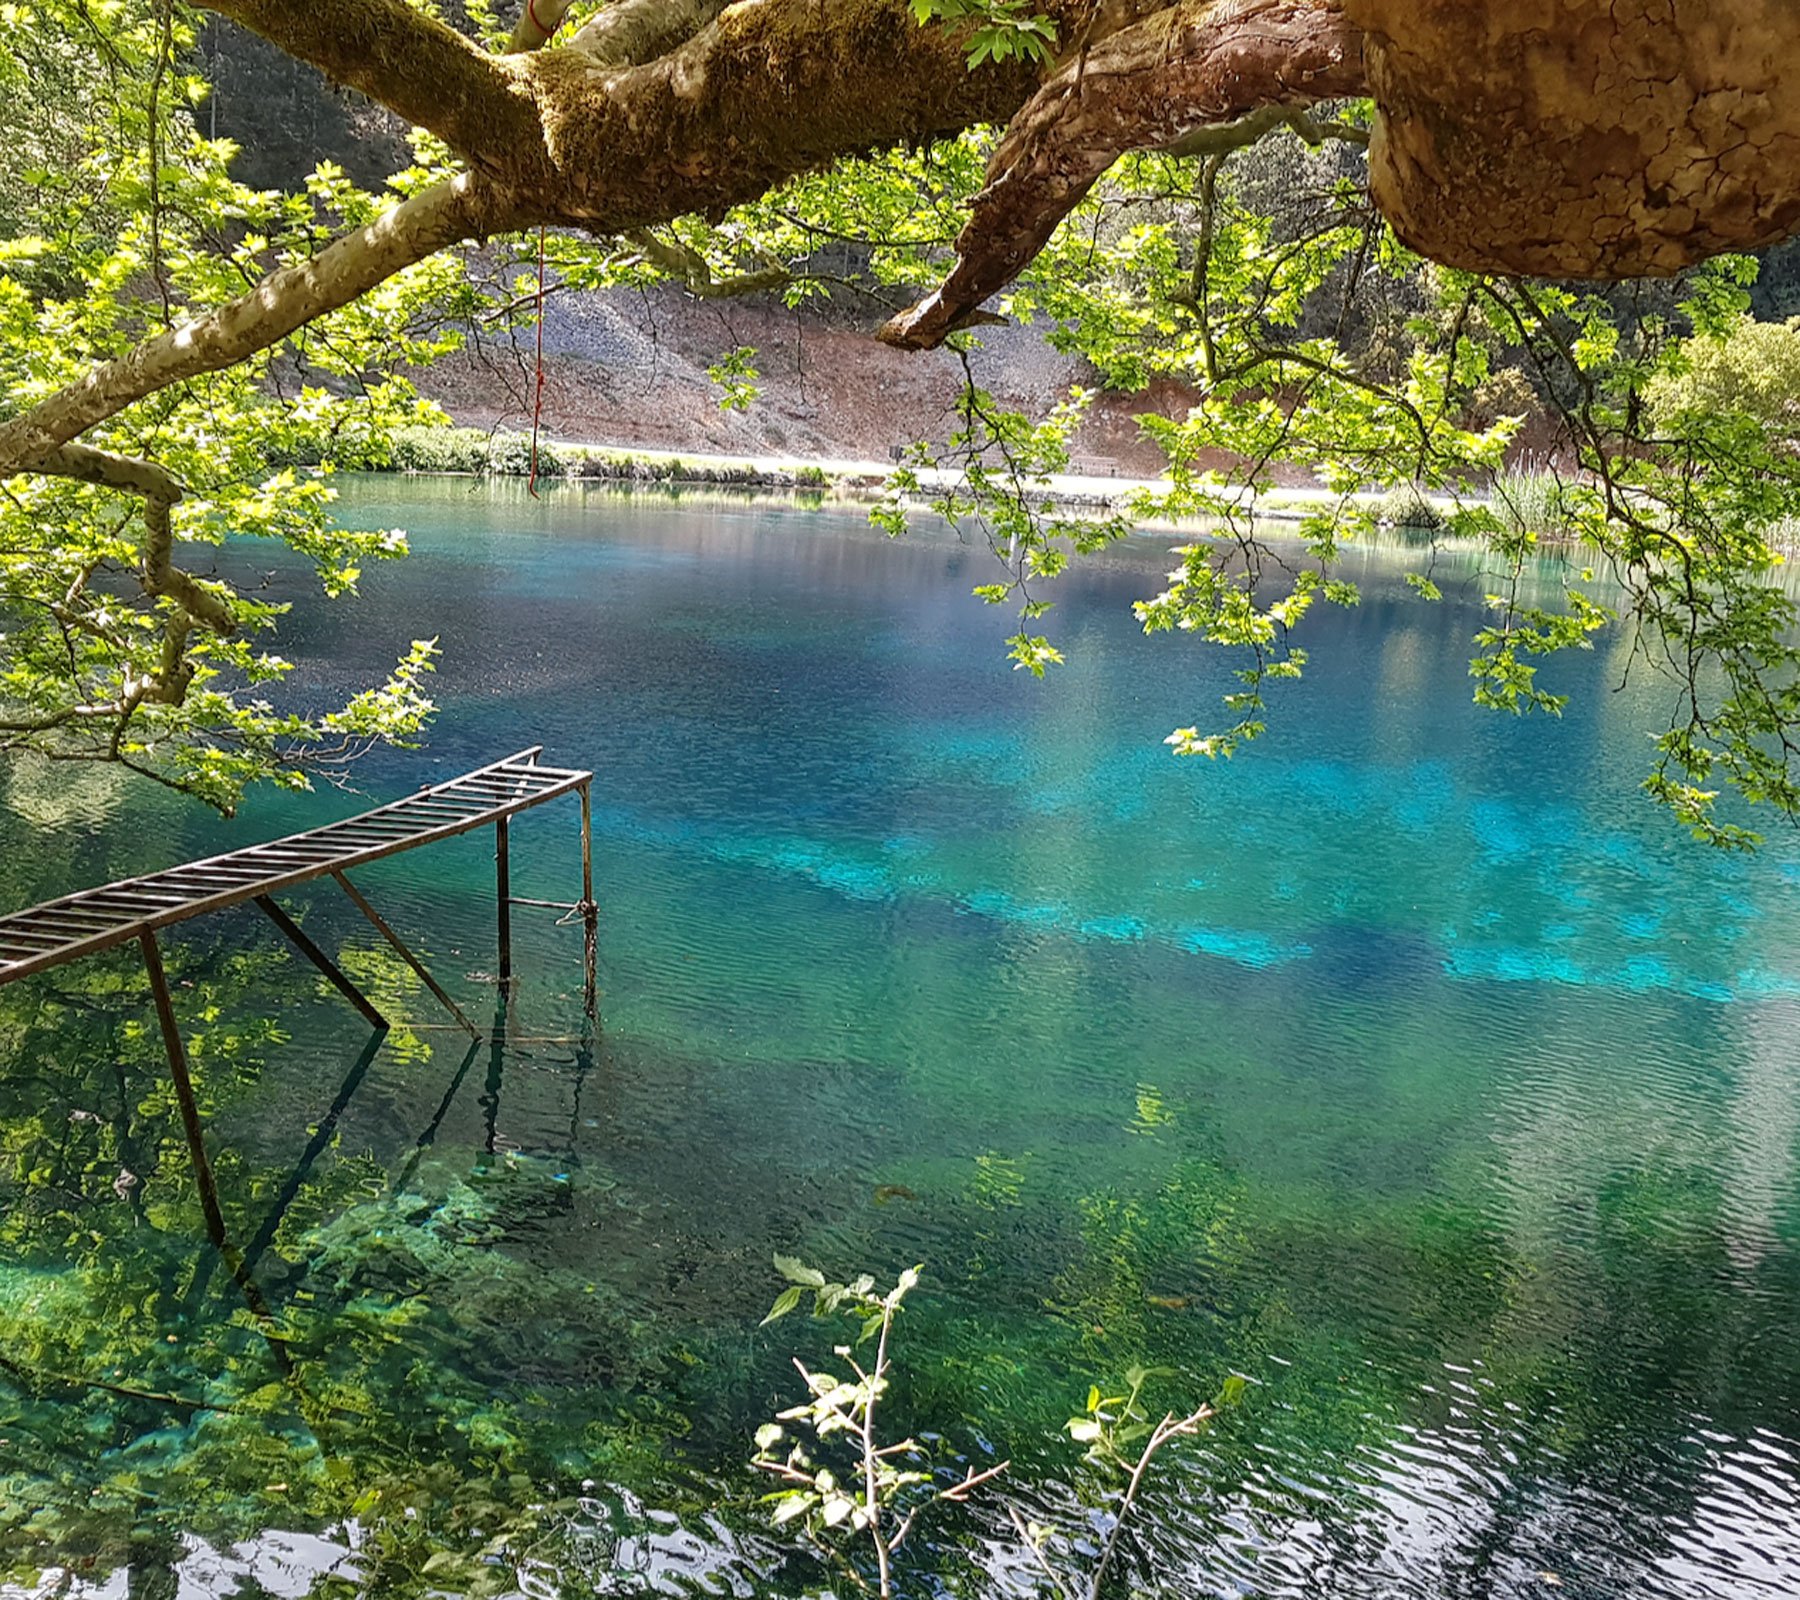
[184, 360]
[1002, 30]
[1679, 470]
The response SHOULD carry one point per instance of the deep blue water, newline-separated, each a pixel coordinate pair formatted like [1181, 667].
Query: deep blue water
[1411, 1065]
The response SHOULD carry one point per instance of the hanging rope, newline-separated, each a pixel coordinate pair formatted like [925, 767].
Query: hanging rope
[537, 407]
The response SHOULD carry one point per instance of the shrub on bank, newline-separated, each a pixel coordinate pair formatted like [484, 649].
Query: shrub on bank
[1534, 499]
[1407, 508]
[471, 450]
[477, 453]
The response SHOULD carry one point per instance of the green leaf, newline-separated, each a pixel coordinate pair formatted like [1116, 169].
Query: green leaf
[784, 1303]
[794, 1505]
[796, 1271]
[1231, 1391]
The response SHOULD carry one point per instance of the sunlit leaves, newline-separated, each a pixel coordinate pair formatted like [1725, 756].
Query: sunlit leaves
[877, 1488]
[735, 374]
[143, 225]
[1313, 342]
[1003, 30]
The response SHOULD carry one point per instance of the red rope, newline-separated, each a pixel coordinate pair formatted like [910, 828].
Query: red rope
[537, 409]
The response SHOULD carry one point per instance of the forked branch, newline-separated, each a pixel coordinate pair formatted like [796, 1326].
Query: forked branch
[1153, 86]
[162, 579]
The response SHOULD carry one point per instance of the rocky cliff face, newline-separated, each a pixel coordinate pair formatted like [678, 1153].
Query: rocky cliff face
[287, 118]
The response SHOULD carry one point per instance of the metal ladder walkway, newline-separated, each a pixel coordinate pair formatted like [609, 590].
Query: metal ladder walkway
[93, 920]
[82, 924]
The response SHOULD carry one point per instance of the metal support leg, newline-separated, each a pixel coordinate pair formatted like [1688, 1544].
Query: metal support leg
[196, 1143]
[490, 1092]
[503, 894]
[587, 848]
[406, 955]
[590, 913]
[184, 1093]
[323, 962]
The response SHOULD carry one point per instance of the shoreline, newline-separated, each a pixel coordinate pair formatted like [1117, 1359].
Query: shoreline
[475, 453]
[505, 455]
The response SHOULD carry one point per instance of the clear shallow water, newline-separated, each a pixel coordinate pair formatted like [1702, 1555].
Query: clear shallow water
[1411, 1065]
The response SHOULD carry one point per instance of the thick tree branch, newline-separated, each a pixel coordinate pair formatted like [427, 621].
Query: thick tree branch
[1153, 86]
[462, 208]
[768, 90]
[1585, 138]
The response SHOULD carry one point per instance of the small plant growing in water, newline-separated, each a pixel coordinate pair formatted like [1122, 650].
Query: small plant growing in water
[885, 1491]
[884, 1497]
[1122, 1441]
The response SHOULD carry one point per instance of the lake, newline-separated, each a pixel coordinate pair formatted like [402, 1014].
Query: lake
[1411, 1065]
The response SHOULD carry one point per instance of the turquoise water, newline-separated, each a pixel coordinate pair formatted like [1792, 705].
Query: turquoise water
[1411, 1066]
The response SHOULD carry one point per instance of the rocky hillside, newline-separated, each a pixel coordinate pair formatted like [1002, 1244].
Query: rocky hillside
[628, 368]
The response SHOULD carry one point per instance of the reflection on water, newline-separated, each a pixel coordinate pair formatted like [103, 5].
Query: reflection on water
[1411, 1066]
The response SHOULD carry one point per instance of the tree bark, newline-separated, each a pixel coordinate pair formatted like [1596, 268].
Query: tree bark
[1584, 138]
[1579, 138]
[631, 32]
[766, 91]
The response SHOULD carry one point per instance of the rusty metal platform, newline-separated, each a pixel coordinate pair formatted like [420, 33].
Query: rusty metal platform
[97, 919]
[93, 920]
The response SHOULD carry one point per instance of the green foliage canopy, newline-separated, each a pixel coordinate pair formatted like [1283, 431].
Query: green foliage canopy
[125, 219]
[1243, 280]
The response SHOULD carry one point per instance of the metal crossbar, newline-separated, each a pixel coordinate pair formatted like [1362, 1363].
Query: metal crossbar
[98, 919]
